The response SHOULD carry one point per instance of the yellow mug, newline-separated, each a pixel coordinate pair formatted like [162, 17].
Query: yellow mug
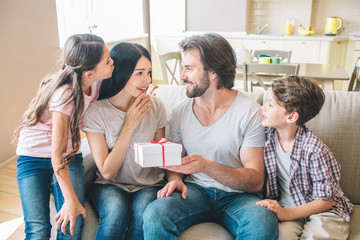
[264, 60]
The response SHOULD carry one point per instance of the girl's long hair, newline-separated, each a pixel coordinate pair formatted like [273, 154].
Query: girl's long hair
[81, 52]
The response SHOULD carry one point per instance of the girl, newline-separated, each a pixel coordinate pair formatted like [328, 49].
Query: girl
[49, 139]
[124, 116]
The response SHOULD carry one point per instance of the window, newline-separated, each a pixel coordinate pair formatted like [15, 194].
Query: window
[110, 19]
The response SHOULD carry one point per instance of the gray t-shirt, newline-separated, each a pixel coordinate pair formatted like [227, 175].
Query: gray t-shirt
[221, 141]
[102, 117]
[283, 163]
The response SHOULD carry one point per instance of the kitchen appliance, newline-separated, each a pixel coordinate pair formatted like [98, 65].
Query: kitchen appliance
[333, 25]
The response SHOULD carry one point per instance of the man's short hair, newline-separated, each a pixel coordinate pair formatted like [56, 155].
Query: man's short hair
[299, 94]
[216, 54]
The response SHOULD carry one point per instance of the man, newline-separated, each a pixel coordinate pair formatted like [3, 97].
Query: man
[223, 139]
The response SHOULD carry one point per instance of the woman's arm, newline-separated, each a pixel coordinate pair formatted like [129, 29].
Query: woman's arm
[107, 162]
[71, 207]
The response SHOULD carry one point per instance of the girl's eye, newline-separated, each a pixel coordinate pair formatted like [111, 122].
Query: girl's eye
[139, 73]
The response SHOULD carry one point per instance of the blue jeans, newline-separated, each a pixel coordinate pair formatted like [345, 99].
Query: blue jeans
[167, 217]
[120, 212]
[35, 177]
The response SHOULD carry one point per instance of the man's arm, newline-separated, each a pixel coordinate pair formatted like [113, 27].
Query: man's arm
[250, 178]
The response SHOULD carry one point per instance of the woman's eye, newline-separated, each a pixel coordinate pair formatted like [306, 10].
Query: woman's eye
[139, 73]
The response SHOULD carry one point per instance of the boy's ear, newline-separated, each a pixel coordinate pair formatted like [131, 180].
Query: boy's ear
[293, 117]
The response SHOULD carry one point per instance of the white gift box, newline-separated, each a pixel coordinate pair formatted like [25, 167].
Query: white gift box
[153, 154]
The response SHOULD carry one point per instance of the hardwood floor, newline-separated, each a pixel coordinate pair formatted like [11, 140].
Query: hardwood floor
[11, 216]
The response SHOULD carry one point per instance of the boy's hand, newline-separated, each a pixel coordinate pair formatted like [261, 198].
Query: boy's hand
[170, 187]
[275, 207]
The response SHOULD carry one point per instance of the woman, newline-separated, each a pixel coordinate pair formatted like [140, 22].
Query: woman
[125, 115]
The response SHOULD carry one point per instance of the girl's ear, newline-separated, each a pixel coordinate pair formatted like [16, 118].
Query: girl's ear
[88, 74]
[293, 117]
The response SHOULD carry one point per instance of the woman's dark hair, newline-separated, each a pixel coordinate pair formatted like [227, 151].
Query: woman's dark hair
[299, 94]
[125, 56]
[81, 52]
[216, 55]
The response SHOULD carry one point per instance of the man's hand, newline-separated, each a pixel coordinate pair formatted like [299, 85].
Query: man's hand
[170, 187]
[194, 163]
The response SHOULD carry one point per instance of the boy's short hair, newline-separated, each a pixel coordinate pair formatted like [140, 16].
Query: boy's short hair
[299, 94]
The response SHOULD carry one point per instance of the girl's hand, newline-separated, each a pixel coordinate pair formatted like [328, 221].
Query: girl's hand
[137, 110]
[169, 188]
[275, 207]
[68, 213]
[151, 89]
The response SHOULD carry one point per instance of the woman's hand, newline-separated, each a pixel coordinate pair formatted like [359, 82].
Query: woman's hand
[68, 213]
[136, 111]
[170, 187]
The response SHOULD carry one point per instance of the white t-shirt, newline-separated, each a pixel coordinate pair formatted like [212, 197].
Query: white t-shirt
[36, 141]
[102, 117]
[221, 141]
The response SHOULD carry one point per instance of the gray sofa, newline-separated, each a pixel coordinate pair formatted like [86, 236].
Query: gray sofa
[338, 125]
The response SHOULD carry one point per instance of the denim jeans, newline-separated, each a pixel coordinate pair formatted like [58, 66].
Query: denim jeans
[35, 177]
[167, 217]
[120, 212]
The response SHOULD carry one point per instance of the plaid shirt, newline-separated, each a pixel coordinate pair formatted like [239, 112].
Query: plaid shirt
[314, 172]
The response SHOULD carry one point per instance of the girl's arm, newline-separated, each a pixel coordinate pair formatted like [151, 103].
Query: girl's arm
[302, 211]
[107, 162]
[71, 207]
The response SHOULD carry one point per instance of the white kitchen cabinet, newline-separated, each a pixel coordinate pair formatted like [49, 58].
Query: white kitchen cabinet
[261, 44]
[304, 51]
[353, 52]
[333, 52]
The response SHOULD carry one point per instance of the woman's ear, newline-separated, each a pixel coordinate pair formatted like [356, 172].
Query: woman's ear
[293, 117]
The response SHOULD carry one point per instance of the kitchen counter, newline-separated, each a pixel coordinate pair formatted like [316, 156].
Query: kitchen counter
[278, 36]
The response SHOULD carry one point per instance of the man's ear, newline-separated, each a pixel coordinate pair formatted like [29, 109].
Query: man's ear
[293, 117]
[213, 75]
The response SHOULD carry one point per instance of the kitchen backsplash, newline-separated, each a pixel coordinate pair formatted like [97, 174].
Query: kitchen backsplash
[304, 12]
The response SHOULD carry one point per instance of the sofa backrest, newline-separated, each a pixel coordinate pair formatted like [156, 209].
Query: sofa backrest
[337, 125]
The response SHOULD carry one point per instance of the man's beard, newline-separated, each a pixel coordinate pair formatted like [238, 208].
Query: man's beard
[200, 89]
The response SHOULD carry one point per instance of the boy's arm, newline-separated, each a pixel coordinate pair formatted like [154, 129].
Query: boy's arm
[302, 211]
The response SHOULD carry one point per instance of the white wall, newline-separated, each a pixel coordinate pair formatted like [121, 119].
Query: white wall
[29, 48]
[216, 15]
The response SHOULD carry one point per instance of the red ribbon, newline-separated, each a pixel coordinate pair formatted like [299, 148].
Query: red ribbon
[162, 146]
[163, 149]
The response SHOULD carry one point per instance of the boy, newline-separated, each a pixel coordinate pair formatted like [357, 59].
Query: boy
[302, 172]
